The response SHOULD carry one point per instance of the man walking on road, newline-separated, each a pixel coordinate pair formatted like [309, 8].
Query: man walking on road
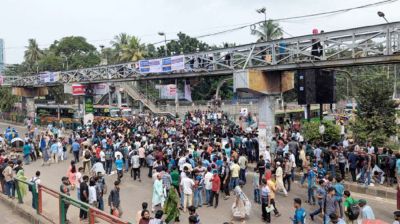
[114, 200]
[75, 150]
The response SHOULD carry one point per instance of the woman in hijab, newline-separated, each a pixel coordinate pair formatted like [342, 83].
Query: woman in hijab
[241, 207]
[22, 186]
[171, 207]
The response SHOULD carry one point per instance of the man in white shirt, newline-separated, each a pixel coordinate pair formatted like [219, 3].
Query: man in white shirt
[208, 184]
[293, 161]
[187, 189]
[92, 193]
[371, 148]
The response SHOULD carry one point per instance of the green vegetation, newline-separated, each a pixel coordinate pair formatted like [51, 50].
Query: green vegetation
[310, 131]
[375, 116]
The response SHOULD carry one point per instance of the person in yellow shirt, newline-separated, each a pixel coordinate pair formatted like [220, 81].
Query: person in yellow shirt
[235, 169]
[272, 186]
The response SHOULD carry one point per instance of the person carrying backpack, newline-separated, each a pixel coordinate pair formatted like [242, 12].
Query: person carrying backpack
[36, 181]
[351, 209]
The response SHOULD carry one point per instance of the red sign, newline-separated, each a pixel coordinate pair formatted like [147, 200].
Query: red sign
[78, 89]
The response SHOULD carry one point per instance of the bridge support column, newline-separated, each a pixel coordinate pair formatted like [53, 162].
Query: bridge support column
[30, 107]
[266, 120]
[119, 98]
[140, 106]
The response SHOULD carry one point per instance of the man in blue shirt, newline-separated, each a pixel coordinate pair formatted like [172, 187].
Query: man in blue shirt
[311, 176]
[27, 152]
[54, 151]
[353, 159]
[320, 196]
[119, 164]
[75, 149]
[300, 213]
[339, 189]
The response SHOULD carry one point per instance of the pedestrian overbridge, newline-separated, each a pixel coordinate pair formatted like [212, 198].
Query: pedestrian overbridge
[377, 44]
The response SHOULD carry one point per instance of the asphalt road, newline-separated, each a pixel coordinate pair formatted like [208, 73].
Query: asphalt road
[134, 193]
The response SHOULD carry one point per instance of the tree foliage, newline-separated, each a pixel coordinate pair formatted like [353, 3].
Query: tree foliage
[375, 116]
[310, 131]
[7, 100]
[267, 31]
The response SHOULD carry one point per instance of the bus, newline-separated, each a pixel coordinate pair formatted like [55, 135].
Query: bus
[50, 113]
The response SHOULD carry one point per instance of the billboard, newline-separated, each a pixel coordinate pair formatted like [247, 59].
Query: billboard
[49, 77]
[160, 65]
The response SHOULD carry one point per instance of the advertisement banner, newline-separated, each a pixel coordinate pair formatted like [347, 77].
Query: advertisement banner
[177, 63]
[89, 105]
[188, 92]
[100, 89]
[1, 80]
[49, 77]
[168, 64]
[78, 89]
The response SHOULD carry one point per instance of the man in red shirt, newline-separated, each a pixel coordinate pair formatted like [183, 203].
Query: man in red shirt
[216, 185]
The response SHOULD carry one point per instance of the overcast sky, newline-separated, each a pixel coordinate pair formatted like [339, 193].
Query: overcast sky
[100, 20]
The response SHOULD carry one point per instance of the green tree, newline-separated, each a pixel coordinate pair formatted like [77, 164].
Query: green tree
[133, 50]
[375, 116]
[310, 131]
[76, 51]
[7, 100]
[32, 54]
[184, 44]
[269, 30]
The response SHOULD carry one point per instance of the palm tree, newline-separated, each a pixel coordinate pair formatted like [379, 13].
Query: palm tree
[32, 53]
[120, 40]
[132, 51]
[268, 31]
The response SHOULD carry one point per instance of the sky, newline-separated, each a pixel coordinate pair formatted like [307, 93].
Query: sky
[100, 20]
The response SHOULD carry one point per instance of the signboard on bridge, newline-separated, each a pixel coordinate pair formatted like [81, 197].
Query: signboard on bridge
[49, 77]
[168, 64]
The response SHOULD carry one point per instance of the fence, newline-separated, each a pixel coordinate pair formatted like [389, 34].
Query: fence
[38, 194]
[13, 117]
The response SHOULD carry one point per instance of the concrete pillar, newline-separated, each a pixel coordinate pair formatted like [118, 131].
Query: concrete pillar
[140, 106]
[266, 120]
[30, 107]
[119, 98]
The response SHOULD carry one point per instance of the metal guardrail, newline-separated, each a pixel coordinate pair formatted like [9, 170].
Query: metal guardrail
[37, 200]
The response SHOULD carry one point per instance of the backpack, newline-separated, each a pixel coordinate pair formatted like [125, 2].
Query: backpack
[392, 163]
[32, 182]
[87, 154]
[108, 155]
[353, 211]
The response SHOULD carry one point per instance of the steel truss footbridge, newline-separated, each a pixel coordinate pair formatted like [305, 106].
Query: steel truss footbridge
[377, 44]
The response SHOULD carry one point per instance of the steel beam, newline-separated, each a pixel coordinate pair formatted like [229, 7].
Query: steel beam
[378, 44]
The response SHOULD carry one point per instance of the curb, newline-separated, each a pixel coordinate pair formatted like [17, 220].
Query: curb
[357, 188]
[23, 210]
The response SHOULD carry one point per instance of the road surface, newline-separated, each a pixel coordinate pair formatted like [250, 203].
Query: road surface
[134, 193]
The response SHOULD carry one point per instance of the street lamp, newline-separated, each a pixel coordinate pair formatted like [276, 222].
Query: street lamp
[381, 14]
[263, 10]
[165, 41]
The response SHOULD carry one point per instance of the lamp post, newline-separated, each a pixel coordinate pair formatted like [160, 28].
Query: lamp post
[263, 10]
[165, 41]
[382, 15]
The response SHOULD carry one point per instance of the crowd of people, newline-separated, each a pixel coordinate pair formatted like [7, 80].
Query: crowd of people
[194, 160]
